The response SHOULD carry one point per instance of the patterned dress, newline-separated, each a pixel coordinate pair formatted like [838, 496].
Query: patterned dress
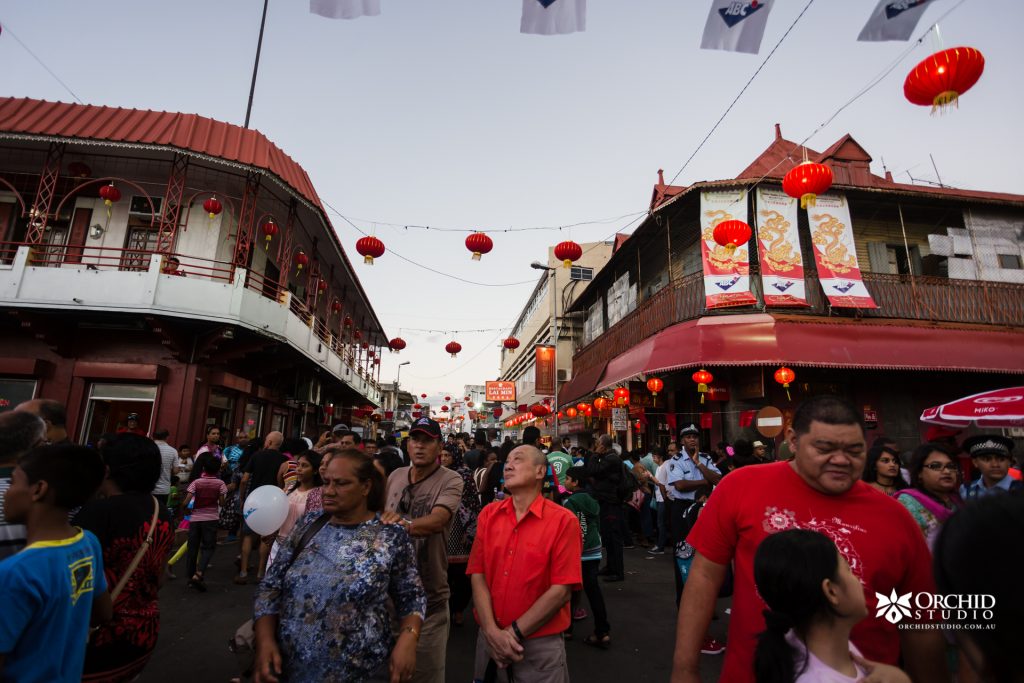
[332, 601]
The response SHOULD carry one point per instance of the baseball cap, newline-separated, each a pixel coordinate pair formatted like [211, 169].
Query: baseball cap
[425, 425]
[691, 429]
[758, 444]
[133, 416]
[340, 428]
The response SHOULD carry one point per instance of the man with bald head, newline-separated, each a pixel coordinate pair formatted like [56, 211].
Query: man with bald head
[524, 566]
[260, 471]
[52, 413]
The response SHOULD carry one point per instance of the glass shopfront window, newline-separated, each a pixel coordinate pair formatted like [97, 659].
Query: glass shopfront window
[221, 410]
[111, 404]
[252, 419]
[15, 391]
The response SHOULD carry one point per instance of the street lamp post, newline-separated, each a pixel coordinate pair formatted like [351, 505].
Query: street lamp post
[553, 293]
[398, 376]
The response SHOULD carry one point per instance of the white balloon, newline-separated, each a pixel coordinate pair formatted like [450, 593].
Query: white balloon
[265, 510]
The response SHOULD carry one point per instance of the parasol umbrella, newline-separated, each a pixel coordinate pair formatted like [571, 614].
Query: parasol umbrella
[1002, 408]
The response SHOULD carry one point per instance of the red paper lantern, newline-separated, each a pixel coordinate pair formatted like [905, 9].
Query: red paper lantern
[369, 248]
[583, 407]
[444, 409]
[567, 252]
[703, 378]
[466, 399]
[655, 385]
[301, 260]
[589, 412]
[110, 194]
[539, 410]
[453, 347]
[364, 345]
[571, 412]
[469, 404]
[269, 230]
[417, 406]
[806, 181]
[213, 207]
[497, 412]
[785, 377]
[560, 414]
[511, 343]
[357, 335]
[321, 285]
[376, 361]
[600, 403]
[397, 344]
[336, 307]
[479, 243]
[941, 78]
[621, 396]
[423, 395]
[732, 234]
[447, 398]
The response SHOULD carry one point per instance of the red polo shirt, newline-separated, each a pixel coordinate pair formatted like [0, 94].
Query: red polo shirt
[522, 560]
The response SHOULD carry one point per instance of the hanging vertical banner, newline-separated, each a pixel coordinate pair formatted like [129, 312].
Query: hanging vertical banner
[726, 271]
[893, 20]
[545, 375]
[778, 244]
[553, 17]
[836, 254]
[736, 25]
[345, 9]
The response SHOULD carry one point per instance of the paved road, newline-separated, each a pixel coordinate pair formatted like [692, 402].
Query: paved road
[195, 629]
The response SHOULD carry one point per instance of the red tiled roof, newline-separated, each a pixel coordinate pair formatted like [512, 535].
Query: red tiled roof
[140, 126]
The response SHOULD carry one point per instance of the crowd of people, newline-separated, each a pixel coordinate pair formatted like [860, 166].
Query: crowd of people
[387, 544]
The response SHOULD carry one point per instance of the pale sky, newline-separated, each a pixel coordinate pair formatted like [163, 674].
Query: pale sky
[441, 113]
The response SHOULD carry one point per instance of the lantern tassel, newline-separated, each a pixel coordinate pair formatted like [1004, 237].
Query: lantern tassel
[476, 255]
[786, 387]
[368, 260]
[809, 199]
[567, 263]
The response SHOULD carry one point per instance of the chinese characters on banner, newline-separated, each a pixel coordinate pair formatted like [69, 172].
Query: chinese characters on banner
[778, 242]
[545, 366]
[836, 254]
[726, 271]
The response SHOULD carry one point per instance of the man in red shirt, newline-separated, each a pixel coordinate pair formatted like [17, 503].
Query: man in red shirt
[524, 565]
[821, 490]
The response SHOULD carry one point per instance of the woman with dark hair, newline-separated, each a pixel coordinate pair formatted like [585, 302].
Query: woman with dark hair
[813, 605]
[121, 518]
[882, 469]
[322, 611]
[935, 478]
[460, 539]
[307, 478]
[292, 448]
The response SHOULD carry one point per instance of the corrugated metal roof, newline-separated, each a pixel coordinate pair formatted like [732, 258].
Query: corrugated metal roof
[140, 126]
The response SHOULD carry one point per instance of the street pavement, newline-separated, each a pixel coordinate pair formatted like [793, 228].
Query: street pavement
[195, 628]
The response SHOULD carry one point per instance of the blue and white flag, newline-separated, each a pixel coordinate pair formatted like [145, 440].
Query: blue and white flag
[345, 9]
[736, 25]
[893, 20]
[552, 17]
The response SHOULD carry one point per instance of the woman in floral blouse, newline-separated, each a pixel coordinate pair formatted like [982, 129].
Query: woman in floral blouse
[321, 614]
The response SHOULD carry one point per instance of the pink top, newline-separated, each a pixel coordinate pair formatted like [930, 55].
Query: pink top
[206, 492]
[296, 508]
[816, 670]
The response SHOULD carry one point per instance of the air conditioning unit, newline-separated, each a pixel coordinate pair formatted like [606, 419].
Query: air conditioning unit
[564, 375]
[139, 206]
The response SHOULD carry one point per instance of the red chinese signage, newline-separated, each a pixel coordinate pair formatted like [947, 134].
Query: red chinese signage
[500, 392]
[545, 365]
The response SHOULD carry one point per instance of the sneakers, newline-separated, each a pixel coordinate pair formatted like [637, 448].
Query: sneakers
[656, 550]
[712, 647]
[579, 613]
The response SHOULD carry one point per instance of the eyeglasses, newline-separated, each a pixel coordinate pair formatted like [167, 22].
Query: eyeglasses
[938, 467]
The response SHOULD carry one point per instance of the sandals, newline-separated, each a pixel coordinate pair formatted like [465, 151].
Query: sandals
[603, 641]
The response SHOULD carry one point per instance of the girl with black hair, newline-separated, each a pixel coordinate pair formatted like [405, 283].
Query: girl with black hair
[307, 478]
[882, 469]
[813, 604]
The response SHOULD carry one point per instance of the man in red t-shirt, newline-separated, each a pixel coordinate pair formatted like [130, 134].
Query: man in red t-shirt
[820, 489]
[524, 565]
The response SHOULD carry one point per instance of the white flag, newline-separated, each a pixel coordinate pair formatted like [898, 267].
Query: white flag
[345, 9]
[736, 25]
[551, 17]
[893, 20]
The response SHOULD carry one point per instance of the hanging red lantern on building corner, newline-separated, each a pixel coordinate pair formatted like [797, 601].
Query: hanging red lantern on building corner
[497, 412]
[806, 181]
[110, 194]
[369, 248]
[397, 344]
[732, 234]
[655, 385]
[336, 307]
[621, 395]
[567, 252]
[213, 207]
[301, 260]
[941, 78]
[600, 403]
[511, 343]
[571, 412]
[539, 410]
[479, 244]
[703, 378]
[453, 347]
[785, 377]
[269, 230]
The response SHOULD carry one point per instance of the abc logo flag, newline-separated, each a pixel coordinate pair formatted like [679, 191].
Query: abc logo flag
[345, 9]
[551, 17]
[893, 20]
[736, 25]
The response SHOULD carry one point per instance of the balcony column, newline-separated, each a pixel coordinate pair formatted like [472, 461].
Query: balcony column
[284, 245]
[39, 214]
[246, 221]
[171, 213]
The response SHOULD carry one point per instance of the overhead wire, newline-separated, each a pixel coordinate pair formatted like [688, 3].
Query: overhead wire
[5, 27]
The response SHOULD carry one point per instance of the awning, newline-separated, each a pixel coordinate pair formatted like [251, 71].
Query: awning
[628, 365]
[580, 385]
[761, 339]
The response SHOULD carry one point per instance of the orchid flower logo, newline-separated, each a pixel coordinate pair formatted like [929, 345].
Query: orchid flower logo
[893, 607]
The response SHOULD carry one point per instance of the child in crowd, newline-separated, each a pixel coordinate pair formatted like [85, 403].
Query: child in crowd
[814, 600]
[587, 511]
[206, 495]
[54, 588]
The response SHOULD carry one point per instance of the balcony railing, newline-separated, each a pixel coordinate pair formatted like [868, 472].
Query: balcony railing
[898, 297]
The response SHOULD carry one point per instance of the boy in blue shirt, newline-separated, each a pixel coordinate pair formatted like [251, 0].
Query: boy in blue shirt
[54, 588]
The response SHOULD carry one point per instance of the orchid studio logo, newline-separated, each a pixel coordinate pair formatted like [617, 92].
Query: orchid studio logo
[931, 611]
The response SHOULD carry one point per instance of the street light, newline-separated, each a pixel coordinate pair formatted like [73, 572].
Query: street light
[552, 292]
[398, 375]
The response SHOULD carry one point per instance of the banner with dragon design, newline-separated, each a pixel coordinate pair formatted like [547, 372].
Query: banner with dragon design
[836, 254]
[778, 242]
[726, 271]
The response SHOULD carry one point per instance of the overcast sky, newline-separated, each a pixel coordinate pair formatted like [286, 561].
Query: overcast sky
[441, 113]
